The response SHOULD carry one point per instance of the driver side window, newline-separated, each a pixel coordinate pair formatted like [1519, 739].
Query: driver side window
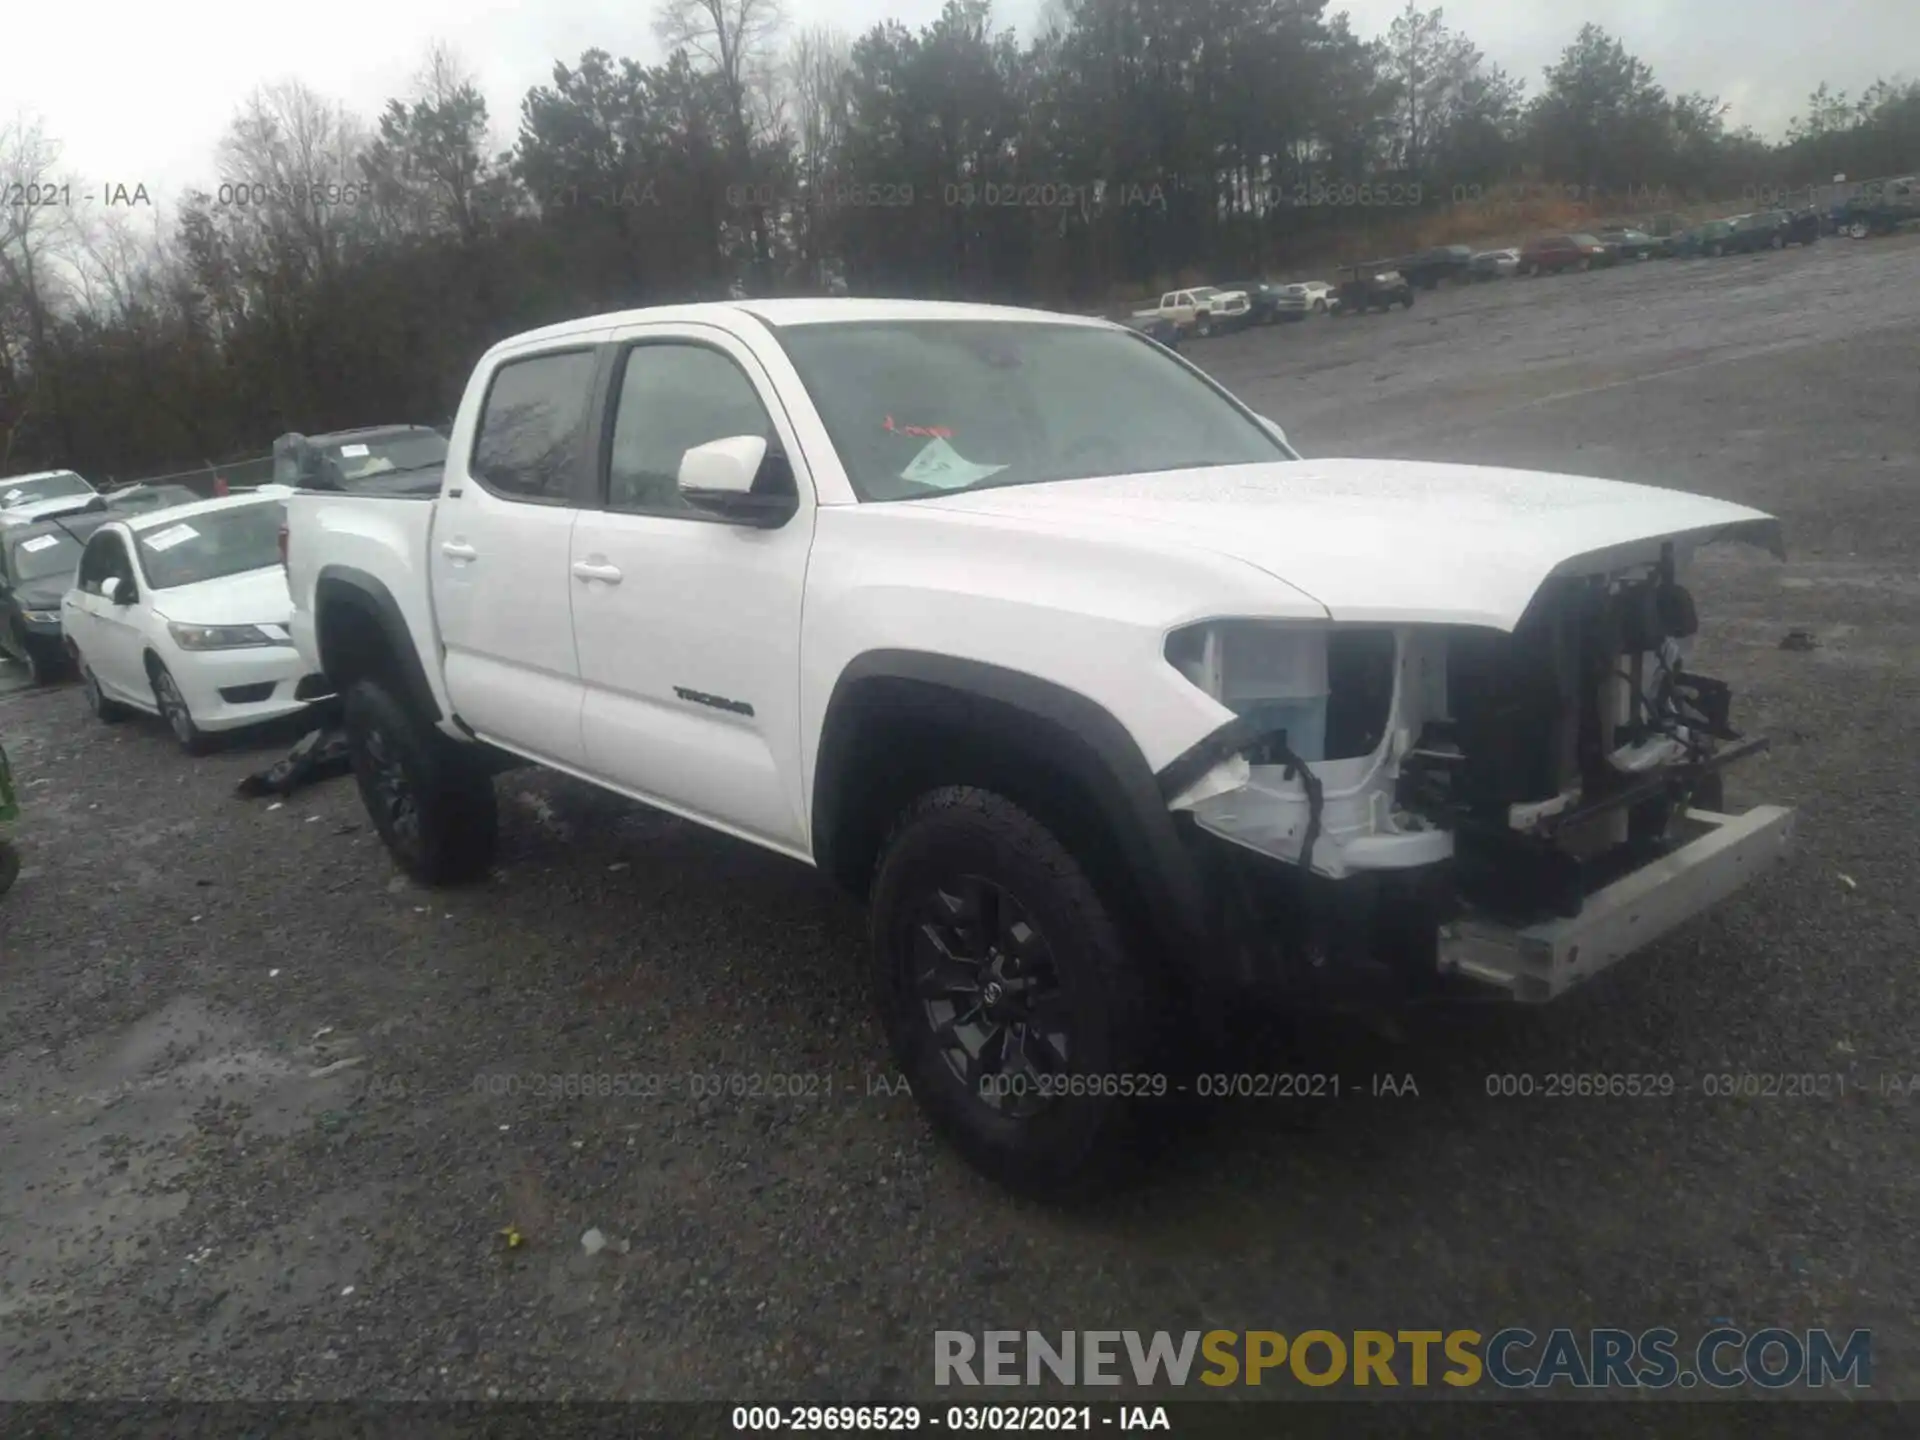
[675, 395]
[104, 563]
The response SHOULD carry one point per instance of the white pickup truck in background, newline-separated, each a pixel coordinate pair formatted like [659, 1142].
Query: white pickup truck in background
[1021, 628]
[1202, 310]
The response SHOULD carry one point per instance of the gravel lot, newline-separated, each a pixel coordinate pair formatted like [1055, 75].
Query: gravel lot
[250, 1147]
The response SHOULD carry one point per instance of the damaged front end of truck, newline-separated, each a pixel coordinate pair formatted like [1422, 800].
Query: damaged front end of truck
[1422, 809]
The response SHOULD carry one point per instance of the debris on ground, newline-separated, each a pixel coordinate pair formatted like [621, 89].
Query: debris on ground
[318, 755]
[1799, 640]
[593, 1242]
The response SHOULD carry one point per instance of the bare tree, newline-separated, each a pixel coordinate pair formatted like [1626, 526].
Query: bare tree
[818, 71]
[34, 281]
[289, 164]
[734, 37]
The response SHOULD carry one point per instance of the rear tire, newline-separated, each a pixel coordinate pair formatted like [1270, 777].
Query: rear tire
[996, 964]
[108, 712]
[433, 805]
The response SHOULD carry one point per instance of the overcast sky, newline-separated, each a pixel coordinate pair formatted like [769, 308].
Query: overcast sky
[143, 92]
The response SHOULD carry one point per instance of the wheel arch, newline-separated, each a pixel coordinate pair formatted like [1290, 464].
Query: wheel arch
[900, 722]
[361, 633]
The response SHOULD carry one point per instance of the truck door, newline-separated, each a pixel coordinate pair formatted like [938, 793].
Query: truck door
[499, 551]
[687, 626]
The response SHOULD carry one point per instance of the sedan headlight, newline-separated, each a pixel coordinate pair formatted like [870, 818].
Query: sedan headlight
[221, 637]
[44, 617]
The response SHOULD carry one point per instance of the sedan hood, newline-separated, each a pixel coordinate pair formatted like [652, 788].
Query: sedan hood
[253, 597]
[42, 594]
[1389, 541]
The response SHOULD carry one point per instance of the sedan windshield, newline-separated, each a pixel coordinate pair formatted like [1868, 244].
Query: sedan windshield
[43, 487]
[918, 408]
[212, 544]
[43, 557]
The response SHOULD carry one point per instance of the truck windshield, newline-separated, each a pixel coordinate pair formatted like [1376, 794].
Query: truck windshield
[921, 408]
[42, 487]
[211, 544]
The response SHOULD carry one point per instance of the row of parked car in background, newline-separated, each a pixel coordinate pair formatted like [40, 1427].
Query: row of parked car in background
[172, 603]
[1200, 311]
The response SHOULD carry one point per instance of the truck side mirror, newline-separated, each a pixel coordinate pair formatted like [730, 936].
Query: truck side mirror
[124, 591]
[740, 479]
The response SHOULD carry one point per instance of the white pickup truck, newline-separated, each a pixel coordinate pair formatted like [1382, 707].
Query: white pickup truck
[1203, 309]
[1023, 629]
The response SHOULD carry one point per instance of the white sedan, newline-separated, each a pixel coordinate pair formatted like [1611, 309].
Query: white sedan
[183, 614]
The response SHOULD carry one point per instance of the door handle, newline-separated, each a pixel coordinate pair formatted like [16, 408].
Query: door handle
[456, 550]
[587, 570]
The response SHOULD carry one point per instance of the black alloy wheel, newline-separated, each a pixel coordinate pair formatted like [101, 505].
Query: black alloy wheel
[989, 993]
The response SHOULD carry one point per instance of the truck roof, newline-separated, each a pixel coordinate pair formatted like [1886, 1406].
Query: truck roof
[779, 314]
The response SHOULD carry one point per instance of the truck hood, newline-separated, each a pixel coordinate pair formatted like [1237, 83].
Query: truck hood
[253, 597]
[1388, 541]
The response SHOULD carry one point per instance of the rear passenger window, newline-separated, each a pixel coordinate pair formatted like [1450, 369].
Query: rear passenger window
[531, 431]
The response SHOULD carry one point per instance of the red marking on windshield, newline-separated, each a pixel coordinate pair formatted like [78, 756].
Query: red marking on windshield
[931, 432]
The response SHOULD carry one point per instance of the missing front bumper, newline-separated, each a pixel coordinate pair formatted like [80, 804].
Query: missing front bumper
[1541, 962]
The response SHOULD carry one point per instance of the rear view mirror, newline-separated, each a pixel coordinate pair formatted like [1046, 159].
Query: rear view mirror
[740, 479]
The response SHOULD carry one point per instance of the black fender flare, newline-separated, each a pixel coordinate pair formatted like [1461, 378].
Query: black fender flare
[343, 586]
[1037, 716]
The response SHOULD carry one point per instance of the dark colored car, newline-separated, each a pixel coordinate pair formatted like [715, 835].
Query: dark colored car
[1551, 254]
[1623, 242]
[37, 563]
[141, 499]
[1762, 230]
[1428, 268]
[1158, 328]
[1715, 237]
[1263, 300]
[1372, 286]
[1800, 227]
[378, 459]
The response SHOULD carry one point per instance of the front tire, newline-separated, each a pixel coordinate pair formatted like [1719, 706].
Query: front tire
[433, 805]
[42, 668]
[174, 710]
[1002, 980]
[1320, 307]
[1858, 230]
[1204, 327]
